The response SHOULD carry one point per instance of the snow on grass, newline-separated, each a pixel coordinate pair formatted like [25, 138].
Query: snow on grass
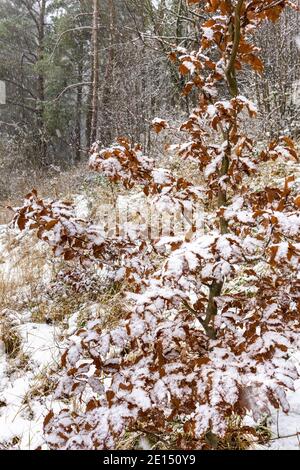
[23, 257]
[41, 343]
[21, 414]
[288, 424]
[82, 206]
[23, 261]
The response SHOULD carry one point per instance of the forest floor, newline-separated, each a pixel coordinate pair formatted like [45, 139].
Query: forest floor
[37, 317]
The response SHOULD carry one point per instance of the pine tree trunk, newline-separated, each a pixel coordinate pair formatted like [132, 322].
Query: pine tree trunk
[42, 143]
[78, 117]
[95, 58]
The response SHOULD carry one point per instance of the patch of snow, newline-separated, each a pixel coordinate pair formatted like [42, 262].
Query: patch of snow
[288, 424]
[40, 343]
[21, 415]
[82, 206]
[208, 33]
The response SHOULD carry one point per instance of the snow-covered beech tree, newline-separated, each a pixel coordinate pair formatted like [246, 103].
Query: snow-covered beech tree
[193, 349]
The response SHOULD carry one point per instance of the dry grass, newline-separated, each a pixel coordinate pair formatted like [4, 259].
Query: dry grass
[112, 303]
[44, 385]
[11, 444]
[52, 184]
[56, 311]
[27, 264]
[10, 336]
[237, 437]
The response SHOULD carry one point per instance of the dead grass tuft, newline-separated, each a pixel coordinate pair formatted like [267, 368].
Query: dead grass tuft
[10, 337]
[43, 386]
[9, 334]
[237, 437]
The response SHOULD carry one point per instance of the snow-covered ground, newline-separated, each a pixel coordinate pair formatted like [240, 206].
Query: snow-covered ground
[288, 424]
[22, 411]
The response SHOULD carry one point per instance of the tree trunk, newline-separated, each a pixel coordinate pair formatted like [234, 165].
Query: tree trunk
[217, 286]
[41, 84]
[79, 109]
[95, 67]
[106, 127]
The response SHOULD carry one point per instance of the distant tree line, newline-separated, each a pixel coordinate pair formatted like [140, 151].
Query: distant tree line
[81, 70]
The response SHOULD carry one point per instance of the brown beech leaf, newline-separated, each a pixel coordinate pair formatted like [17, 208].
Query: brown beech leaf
[110, 396]
[183, 69]
[48, 418]
[297, 201]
